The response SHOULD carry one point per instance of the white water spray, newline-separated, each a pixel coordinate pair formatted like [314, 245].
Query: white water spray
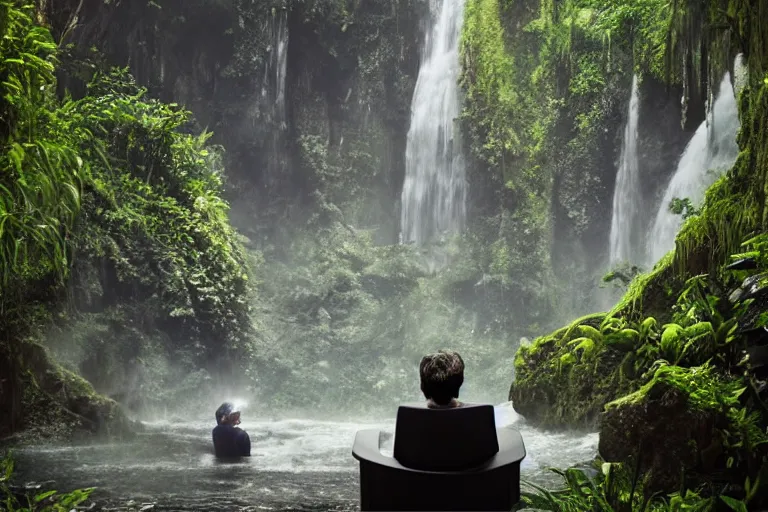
[435, 189]
[711, 152]
[280, 35]
[626, 196]
[273, 92]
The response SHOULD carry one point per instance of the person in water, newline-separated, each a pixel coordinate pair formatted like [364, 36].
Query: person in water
[442, 374]
[228, 439]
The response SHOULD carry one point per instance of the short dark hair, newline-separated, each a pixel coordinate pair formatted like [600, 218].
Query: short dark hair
[224, 409]
[442, 374]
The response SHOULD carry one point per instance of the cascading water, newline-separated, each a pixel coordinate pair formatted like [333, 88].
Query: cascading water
[711, 151]
[435, 189]
[273, 93]
[626, 196]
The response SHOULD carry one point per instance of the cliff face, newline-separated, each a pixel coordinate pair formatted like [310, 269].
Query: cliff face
[274, 82]
[311, 101]
[545, 111]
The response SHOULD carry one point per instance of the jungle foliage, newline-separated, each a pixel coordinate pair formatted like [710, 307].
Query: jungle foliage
[112, 216]
[371, 312]
[675, 371]
[682, 401]
[616, 487]
[106, 205]
[545, 93]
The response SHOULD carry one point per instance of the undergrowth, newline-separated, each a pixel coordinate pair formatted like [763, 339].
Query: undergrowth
[614, 487]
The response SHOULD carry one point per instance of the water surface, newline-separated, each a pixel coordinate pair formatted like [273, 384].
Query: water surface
[297, 464]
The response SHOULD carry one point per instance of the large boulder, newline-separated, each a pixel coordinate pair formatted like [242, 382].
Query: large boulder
[675, 424]
[563, 380]
[58, 403]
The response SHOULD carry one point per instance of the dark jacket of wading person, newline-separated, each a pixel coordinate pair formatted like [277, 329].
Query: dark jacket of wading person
[442, 374]
[228, 440]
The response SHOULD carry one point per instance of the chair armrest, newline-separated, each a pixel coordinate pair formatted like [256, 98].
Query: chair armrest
[366, 448]
[511, 448]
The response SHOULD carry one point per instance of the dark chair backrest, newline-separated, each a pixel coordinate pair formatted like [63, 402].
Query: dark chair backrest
[445, 439]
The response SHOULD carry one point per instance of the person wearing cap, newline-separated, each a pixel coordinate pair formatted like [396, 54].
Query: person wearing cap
[442, 374]
[229, 440]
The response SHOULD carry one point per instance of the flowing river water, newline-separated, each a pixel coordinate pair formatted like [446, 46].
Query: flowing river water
[296, 464]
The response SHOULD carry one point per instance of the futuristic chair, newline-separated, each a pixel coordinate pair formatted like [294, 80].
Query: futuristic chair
[444, 459]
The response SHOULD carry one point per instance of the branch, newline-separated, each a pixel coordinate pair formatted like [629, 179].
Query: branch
[72, 23]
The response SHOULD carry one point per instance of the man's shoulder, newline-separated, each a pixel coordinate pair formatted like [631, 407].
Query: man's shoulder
[223, 429]
[229, 430]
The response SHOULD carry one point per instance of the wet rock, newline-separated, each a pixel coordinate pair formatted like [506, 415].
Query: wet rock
[753, 287]
[553, 389]
[743, 264]
[58, 403]
[662, 426]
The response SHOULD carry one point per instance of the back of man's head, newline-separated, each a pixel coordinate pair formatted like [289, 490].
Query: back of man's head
[223, 413]
[442, 374]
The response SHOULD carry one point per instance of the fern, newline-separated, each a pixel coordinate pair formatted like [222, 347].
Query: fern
[42, 174]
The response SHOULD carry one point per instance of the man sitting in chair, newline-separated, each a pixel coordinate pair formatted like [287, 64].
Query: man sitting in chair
[442, 374]
[480, 468]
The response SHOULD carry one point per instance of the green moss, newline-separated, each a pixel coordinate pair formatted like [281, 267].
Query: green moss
[694, 417]
[733, 209]
[649, 294]
[679, 425]
[565, 378]
[703, 387]
[58, 403]
[489, 78]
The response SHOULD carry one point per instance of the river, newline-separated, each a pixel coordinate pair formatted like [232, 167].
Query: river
[297, 464]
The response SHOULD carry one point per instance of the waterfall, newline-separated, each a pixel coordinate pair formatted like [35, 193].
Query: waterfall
[626, 195]
[434, 192]
[280, 35]
[711, 152]
[273, 93]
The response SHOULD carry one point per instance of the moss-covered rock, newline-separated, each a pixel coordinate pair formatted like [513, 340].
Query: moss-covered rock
[564, 379]
[57, 403]
[651, 294]
[674, 424]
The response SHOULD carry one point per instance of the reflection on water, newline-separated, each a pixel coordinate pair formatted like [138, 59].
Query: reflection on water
[297, 464]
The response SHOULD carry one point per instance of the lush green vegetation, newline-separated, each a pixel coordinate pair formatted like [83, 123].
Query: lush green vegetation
[371, 312]
[544, 92]
[110, 214]
[612, 487]
[672, 374]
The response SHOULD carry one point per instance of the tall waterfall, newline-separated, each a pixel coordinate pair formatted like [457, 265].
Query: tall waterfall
[626, 195]
[434, 192]
[273, 92]
[711, 152]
